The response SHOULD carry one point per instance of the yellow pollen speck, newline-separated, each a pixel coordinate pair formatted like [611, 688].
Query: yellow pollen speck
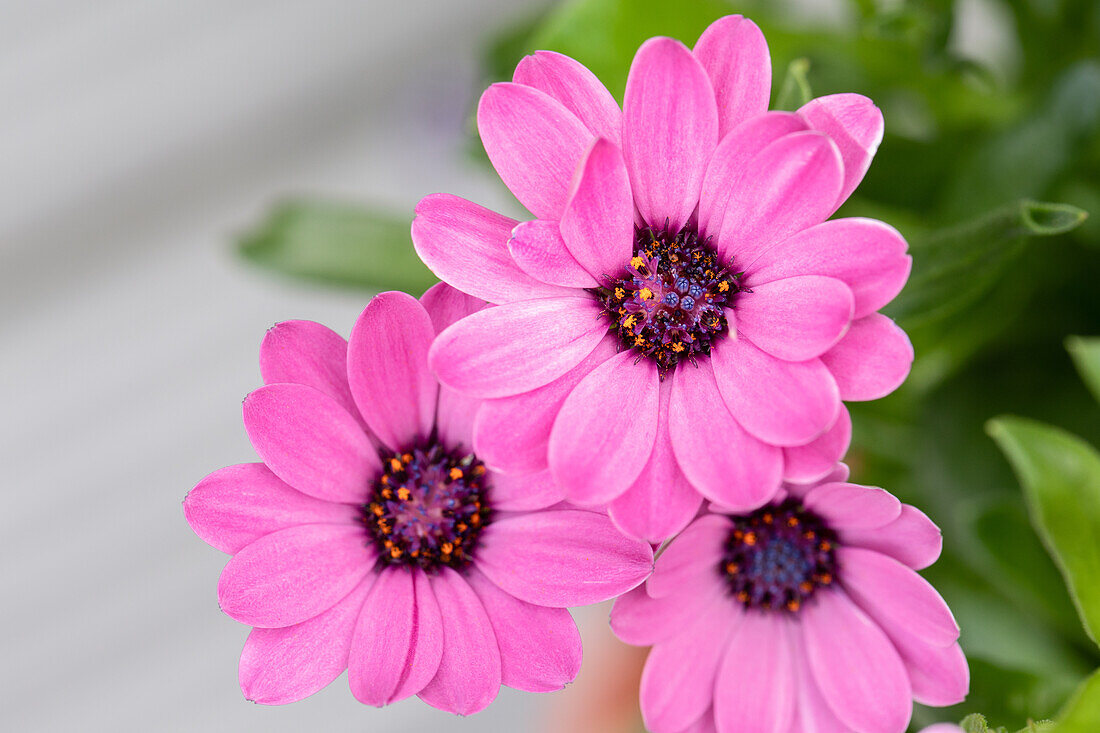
[646, 293]
[403, 494]
[743, 597]
[750, 538]
[475, 519]
[456, 473]
[395, 552]
[447, 548]
[792, 521]
[629, 322]
[768, 518]
[733, 568]
[723, 286]
[639, 341]
[479, 470]
[806, 586]
[793, 605]
[388, 544]
[809, 534]
[461, 527]
[387, 493]
[677, 347]
[395, 464]
[377, 509]
[826, 579]
[825, 546]
[620, 293]
[637, 261]
[407, 457]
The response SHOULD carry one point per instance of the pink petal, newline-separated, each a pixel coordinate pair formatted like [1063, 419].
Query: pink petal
[605, 431]
[780, 402]
[638, 618]
[454, 415]
[289, 664]
[388, 369]
[857, 669]
[912, 538]
[398, 638]
[661, 501]
[939, 675]
[868, 255]
[690, 561]
[562, 558]
[308, 440]
[540, 647]
[724, 462]
[814, 714]
[815, 460]
[511, 433]
[598, 222]
[304, 352]
[292, 575]
[851, 506]
[446, 305]
[670, 128]
[512, 492]
[731, 161]
[856, 125]
[872, 360]
[469, 673]
[572, 84]
[797, 318]
[734, 53]
[705, 724]
[534, 143]
[538, 249]
[466, 245]
[895, 596]
[236, 506]
[517, 347]
[793, 185]
[757, 680]
[678, 679]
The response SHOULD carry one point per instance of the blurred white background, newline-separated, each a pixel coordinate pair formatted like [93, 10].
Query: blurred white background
[136, 137]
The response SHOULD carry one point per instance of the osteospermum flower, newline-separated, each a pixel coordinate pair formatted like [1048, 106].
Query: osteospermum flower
[806, 614]
[680, 321]
[372, 539]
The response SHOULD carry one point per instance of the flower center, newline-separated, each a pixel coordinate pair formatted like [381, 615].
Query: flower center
[779, 556]
[428, 508]
[668, 304]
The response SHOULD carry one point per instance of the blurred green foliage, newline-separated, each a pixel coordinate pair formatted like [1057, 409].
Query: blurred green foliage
[976, 139]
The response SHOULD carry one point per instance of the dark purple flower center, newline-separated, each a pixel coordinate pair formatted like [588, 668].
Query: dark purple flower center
[428, 508]
[668, 303]
[779, 556]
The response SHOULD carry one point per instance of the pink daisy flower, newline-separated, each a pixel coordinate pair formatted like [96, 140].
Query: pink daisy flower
[372, 539]
[680, 321]
[806, 614]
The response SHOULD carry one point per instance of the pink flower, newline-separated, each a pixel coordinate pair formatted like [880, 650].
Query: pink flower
[806, 614]
[371, 539]
[680, 321]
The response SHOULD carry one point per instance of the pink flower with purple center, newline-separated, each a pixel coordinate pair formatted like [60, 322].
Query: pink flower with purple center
[373, 539]
[805, 614]
[681, 321]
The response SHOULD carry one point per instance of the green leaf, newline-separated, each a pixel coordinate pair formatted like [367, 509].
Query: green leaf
[1086, 355]
[795, 90]
[1045, 220]
[1019, 566]
[1082, 713]
[337, 244]
[1060, 476]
